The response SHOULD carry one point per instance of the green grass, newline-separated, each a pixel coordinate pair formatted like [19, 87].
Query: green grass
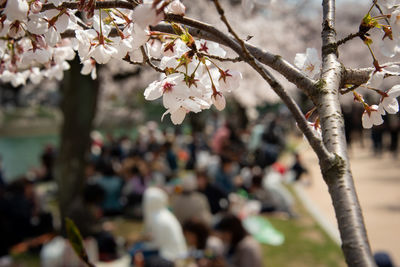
[28, 259]
[306, 244]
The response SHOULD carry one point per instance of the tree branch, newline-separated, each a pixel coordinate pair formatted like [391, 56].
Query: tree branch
[302, 123]
[99, 4]
[360, 76]
[349, 37]
[276, 62]
[146, 59]
[222, 59]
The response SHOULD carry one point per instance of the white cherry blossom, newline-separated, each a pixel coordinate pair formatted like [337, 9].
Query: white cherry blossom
[89, 67]
[309, 62]
[372, 116]
[41, 56]
[36, 75]
[210, 48]
[177, 8]
[219, 101]
[36, 6]
[102, 53]
[177, 116]
[389, 102]
[229, 80]
[145, 15]
[16, 10]
[376, 79]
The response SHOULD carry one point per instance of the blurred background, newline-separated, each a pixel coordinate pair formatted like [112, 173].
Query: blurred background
[222, 183]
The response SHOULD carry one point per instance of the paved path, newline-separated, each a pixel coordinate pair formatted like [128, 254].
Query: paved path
[377, 182]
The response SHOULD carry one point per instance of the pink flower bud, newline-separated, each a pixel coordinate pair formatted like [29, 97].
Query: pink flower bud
[177, 8]
[36, 6]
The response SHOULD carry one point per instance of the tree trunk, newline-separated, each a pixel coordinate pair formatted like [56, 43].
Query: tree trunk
[78, 105]
[338, 176]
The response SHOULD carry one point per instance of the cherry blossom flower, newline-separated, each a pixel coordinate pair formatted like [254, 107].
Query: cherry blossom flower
[309, 62]
[193, 83]
[16, 10]
[36, 75]
[171, 88]
[229, 80]
[372, 116]
[89, 67]
[210, 48]
[36, 6]
[219, 101]
[177, 8]
[177, 116]
[316, 128]
[388, 47]
[102, 53]
[376, 79]
[145, 15]
[389, 102]
[41, 56]
[37, 24]
[16, 79]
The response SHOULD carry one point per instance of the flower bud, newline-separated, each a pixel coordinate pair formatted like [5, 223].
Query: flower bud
[177, 8]
[36, 6]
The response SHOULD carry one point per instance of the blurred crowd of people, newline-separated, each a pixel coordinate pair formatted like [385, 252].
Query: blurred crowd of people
[383, 137]
[189, 189]
[193, 191]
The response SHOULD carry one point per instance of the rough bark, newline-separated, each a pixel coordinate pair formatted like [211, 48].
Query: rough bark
[338, 176]
[79, 99]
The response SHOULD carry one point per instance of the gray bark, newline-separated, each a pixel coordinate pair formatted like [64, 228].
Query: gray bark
[338, 176]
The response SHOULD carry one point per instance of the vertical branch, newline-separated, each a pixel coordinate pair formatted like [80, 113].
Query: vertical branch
[339, 178]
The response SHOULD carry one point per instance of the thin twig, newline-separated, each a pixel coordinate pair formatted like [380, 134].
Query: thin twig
[344, 91]
[349, 37]
[380, 11]
[230, 29]
[126, 59]
[236, 59]
[147, 60]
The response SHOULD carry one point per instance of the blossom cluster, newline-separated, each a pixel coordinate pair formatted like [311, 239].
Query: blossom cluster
[39, 37]
[388, 22]
[195, 82]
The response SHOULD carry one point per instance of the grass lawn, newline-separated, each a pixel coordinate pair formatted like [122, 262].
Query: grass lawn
[306, 244]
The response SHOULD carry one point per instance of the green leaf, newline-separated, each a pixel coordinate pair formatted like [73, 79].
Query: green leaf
[75, 238]
[370, 22]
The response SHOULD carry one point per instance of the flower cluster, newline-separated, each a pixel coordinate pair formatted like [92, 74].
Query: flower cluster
[39, 37]
[192, 81]
[388, 22]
